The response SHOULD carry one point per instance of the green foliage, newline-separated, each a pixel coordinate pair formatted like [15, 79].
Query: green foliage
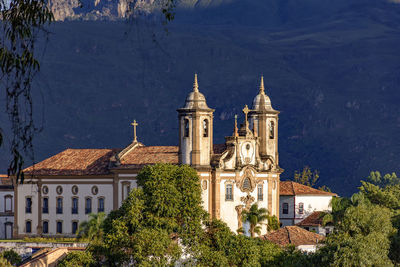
[362, 234]
[306, 176]
[255, 217]
[168, 203]
[11, 256]
[77, 258]
[92, 230]
[376, 178]
[4, 262]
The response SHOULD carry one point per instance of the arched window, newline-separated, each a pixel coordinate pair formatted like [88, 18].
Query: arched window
[88, 205]
[28, 205]
[229, 192]
[260, 194]
[28, 226]
[186, 129]
[59, 205]
[271, 130]
[59, 227]
[205, 128]
[246, 184]
[8, 203]
[75, 202]
[45, 207]
[100, 206]
[45, 229]
[74, 227]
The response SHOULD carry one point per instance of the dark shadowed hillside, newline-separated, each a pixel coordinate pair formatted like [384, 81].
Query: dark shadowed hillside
[333, 70]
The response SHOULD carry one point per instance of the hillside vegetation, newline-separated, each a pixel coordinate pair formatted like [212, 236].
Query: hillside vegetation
[331, 67]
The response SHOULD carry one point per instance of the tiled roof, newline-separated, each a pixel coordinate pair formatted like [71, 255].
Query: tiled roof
[293, 235]
[5, 180]
[289, 188]
[145, 155]
[314, 219]
[74, 162]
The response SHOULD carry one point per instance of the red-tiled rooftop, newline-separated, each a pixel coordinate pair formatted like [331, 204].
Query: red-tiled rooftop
[314, 219]
[293, 235]
[145, 155]
[290, 188]
[74, 162]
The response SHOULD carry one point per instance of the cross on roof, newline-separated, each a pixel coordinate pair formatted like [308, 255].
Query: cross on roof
[246, 111]
[134, 124]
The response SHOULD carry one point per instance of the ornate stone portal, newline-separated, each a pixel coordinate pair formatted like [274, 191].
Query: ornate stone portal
[247, 200]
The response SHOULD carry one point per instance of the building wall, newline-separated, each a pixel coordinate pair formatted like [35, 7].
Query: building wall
[311, 204]
[85, 190]
[6, 212]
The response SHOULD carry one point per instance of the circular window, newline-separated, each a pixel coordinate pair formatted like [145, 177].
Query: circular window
[45, 190]
[95, 190]
[59, 189]
[74, 190]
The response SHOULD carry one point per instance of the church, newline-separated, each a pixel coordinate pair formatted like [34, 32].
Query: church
[64, 189]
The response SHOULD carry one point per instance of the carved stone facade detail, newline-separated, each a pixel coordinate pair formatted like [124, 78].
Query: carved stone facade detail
[247, 181]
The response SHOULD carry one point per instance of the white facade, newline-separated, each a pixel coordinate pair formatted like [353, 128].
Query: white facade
[301, 206]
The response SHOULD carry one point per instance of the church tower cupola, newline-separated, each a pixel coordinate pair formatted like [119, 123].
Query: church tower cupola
[195, 129]
[265, 121]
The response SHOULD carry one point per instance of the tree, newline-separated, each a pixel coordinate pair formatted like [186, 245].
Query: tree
[167, 204]
[92, 230]
[306, 176]
[4, 262]
[361, 237]
[77, 258]
[255, 216]
[11, 256]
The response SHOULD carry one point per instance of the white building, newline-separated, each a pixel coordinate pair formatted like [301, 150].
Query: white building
[298, 201]
[64, 189]
[314, 223]
[6, 208]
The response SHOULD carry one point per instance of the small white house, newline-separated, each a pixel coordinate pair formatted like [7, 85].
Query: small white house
[297, 201]
[314, 223]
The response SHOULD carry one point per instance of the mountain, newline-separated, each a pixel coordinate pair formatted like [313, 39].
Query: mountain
[331, 67]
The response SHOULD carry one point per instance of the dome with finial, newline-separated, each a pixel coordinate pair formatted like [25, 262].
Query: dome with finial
[262, 101]
[195, 99]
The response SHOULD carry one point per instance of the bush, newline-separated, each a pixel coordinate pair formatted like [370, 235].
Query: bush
[11, 256]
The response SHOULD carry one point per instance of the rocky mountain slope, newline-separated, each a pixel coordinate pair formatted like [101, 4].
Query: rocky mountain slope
[331, 67]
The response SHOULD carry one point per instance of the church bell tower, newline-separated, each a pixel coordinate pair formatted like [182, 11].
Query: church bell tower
[265, 121]
[195, 130]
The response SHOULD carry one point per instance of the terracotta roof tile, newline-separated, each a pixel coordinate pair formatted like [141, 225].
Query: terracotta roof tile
[5, 180]
[145, 155]
[293, 235]
[289, 188]
[314, 219]
[74, 162]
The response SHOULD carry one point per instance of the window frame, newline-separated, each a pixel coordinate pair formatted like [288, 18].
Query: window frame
[271, 130]
[30, 226]
[75, 211]
[59, 210]
[283, 208]
[260, 197]
[45, 208]
[43, 222]
[28, 210]
[72, 227]
[206, 128]
[5, 203]
[229, 195]
[186, 128]
[98, 204]
[301, 208]
[59, 222]
[88, 210]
